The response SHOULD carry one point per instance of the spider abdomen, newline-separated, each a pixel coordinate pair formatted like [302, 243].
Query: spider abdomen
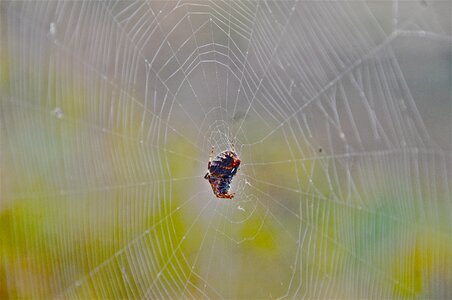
[220, 172]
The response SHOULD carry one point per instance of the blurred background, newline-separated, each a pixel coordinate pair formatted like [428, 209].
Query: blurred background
[339, 111]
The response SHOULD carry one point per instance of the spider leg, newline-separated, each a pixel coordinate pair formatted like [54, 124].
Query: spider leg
[225, 195]
[232, 147]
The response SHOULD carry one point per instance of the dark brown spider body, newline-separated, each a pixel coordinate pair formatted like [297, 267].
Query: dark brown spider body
[220, 172]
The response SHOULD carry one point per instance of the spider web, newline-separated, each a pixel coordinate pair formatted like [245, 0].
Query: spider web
[339, 111]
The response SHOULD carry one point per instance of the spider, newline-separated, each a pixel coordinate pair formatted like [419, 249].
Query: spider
[220, 172]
